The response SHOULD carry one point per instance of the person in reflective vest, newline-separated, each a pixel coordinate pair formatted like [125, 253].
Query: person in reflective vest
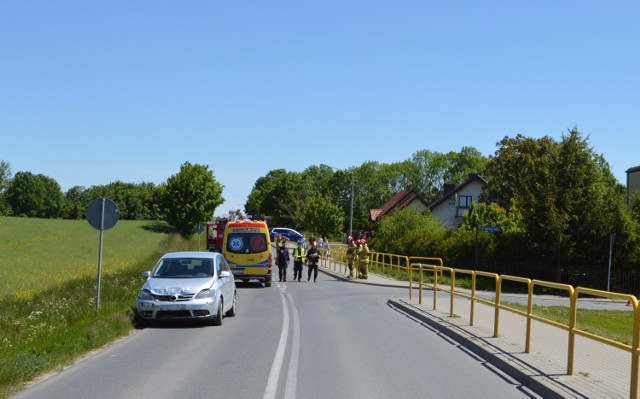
[298, 257]
[363, 259]
[351, 250]
[313, 258]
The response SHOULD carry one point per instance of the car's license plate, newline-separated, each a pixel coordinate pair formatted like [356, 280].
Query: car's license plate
[174, 307]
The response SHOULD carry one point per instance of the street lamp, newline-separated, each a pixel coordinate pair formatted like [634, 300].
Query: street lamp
[351, 212]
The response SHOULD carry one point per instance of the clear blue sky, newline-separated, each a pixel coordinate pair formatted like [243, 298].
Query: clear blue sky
[95, 92]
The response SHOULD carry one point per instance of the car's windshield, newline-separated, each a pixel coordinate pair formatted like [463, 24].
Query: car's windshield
[183, 268]
[247, 243]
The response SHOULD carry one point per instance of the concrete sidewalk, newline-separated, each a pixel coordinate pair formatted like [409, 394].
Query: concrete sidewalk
[600, 370]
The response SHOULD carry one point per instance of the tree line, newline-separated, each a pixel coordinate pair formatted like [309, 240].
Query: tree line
[319, 198]
[556, 201]
[187, 198]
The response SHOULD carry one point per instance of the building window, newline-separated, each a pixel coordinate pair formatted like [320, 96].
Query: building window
[464, 201]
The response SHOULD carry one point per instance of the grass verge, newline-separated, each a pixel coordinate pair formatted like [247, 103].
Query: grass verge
[615, 325]
[55, 326]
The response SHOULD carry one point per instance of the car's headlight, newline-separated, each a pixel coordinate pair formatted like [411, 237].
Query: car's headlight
[146, 295]
[206, 294]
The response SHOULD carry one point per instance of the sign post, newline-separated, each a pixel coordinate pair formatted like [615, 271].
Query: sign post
[102, 214]
[199, 229]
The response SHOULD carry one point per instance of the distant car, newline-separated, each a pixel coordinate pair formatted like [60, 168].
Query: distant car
[290, 234]
[188, 286]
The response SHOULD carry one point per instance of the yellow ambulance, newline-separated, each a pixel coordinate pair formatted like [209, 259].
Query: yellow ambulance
[247, 248]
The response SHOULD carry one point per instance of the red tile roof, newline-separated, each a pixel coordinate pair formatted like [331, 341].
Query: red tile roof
[399, 201]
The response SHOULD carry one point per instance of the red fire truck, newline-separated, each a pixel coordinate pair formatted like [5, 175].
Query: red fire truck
[215, 234]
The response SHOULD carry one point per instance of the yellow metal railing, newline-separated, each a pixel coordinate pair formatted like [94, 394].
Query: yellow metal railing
[634, 348]
[434, 267]
[391, 261]
[571, 327]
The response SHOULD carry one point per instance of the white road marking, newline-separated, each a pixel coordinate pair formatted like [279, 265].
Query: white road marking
[276, 367]
[292, 374]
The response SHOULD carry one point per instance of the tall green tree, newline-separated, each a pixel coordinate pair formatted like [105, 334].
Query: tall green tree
[191, 197]
[635, 208]
[26, 195]
[323, 216]
[281, 195]
[340, 191]
[76, 202]
[394, 177]
[371, 191]
[469, 160]
[35, 196]
[523, 170]
[54, 203]
[566, 193]
[428, 173]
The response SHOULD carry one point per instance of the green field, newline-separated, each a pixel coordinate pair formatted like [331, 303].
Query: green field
[40, 253]
[48, 271]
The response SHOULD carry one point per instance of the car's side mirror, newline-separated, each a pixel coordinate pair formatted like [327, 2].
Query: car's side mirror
[146, 274]
[225, 273]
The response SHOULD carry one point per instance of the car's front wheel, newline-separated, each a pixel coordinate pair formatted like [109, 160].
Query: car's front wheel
[217, 320]
[232, 312]
[139, 321]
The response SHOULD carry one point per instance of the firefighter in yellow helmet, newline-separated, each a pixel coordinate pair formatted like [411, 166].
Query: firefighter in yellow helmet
[363, 260]
[351, 251]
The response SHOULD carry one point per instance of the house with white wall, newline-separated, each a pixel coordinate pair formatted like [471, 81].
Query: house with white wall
[457, 200]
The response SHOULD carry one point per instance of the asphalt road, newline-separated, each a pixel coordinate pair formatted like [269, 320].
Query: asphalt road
[329, 339]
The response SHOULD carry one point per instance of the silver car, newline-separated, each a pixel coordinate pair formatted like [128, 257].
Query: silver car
[188, 286]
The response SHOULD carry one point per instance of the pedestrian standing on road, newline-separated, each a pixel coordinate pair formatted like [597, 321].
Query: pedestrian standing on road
[313, 257]
[298, 257]
[282, 260]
